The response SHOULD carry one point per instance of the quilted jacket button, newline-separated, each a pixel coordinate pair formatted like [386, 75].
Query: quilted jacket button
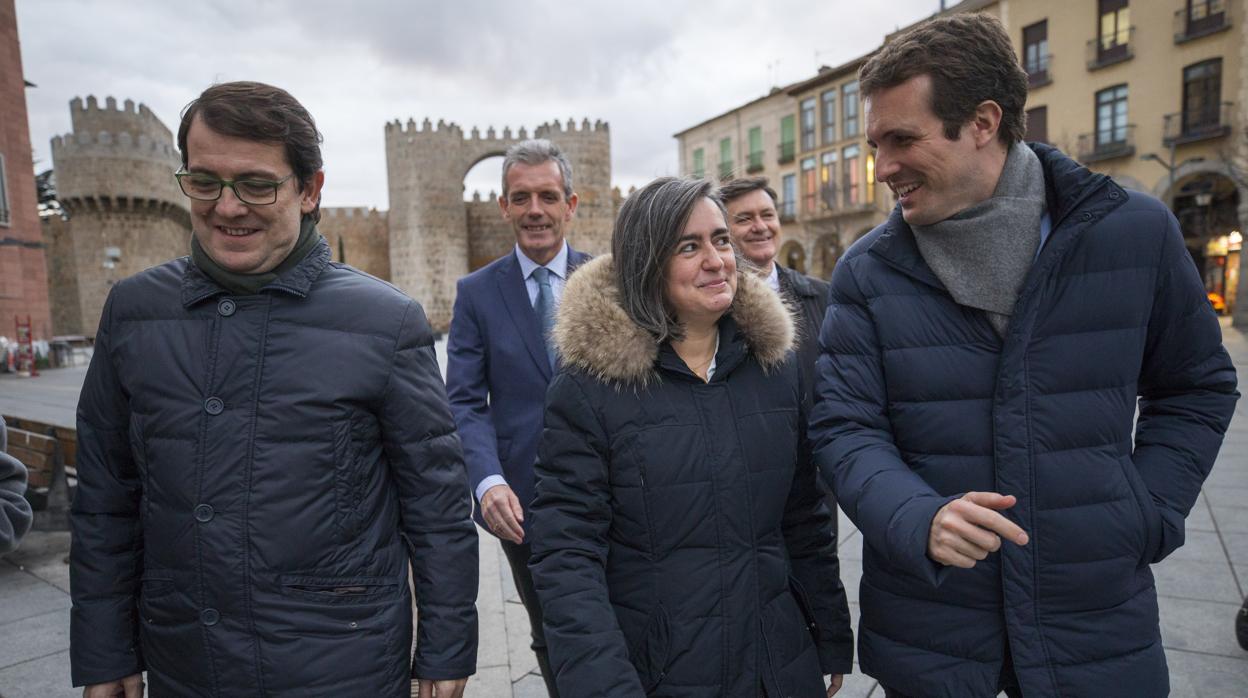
[214, 406]
[209, 616]
[226, 307]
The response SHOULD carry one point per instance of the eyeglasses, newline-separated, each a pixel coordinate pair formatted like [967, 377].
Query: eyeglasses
[206, 187]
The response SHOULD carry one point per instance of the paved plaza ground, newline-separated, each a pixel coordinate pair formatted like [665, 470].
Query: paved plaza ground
[1200, 586]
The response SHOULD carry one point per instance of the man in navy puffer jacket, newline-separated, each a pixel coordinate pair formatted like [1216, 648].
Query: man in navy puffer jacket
[983, 355]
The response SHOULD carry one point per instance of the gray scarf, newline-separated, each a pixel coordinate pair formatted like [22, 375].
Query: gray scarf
[982, 254]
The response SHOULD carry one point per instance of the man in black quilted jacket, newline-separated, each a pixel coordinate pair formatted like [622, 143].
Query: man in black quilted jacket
[265, 447]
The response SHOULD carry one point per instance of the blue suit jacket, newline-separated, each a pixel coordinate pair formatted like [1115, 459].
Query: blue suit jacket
[496, 375]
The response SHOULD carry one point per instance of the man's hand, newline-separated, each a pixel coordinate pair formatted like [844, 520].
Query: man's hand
[450, 688]
[965, 530]
[835, 684]
[503, 514]
[129, 687]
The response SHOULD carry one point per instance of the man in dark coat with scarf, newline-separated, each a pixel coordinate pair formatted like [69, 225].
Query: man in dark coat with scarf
[264, 448]
[984, 354]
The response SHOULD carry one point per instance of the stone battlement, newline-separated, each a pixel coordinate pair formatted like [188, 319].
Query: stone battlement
[351, 212]
[448, 129]
[113, 144]
[138, 120]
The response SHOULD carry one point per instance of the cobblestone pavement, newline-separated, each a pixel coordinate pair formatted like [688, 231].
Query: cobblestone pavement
[1200, 586]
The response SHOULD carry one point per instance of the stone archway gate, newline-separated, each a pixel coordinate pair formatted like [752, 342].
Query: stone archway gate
[428, 216]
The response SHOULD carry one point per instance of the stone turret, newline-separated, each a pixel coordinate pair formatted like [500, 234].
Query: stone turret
[124, 210]
[431, 227]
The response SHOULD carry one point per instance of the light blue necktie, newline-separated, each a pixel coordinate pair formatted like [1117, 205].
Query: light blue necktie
[545, 308]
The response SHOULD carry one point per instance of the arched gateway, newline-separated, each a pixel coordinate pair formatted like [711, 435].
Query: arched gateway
[432, 228]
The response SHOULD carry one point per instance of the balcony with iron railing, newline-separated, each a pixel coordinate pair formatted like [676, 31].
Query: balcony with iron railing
[788, 211]
[756, 162]
[725, 170]
[1200, 18]
[1038, 74]
[1108, 49]
[1116, 142]
[1192, 125]
[788, 151]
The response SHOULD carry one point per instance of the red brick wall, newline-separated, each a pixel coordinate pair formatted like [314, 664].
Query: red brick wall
[23, 272]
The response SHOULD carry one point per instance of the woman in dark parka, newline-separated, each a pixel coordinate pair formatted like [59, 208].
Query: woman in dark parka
[680, 544]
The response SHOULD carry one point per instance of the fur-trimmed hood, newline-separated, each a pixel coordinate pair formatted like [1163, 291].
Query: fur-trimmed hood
[594, 334]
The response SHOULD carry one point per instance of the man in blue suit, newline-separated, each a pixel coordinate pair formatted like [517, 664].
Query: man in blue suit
[500, 357]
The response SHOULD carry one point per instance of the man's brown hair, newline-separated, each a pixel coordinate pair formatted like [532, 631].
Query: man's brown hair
[969, 59]
[744, 185]
[259, 112]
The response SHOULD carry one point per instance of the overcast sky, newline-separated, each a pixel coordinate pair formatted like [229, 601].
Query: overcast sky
[648, 67]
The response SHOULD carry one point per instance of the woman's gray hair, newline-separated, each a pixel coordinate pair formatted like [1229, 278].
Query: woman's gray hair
[643, 242]
[536, 151]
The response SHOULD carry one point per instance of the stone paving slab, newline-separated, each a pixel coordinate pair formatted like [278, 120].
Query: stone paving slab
[1200, 581]
[34, 637]
[45, 677]
[1206, 676]
[1207, 627]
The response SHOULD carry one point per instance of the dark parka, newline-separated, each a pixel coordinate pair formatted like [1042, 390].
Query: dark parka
[253, 473]
[809, 299]
[680, 547]
[920, 401]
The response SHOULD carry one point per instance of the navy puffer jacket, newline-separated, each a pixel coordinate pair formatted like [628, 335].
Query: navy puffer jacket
[253, 474]
[680, 544]
[920, 401]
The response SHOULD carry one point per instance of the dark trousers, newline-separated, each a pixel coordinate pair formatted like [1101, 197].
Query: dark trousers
[518, 560]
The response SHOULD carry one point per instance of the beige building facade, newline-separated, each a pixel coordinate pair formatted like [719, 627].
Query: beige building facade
[1151, 93]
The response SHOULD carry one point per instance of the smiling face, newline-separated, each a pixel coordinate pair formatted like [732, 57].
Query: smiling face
[245, 238]
[701, 277]
[537, 209]
[933, 177]
[755, 227]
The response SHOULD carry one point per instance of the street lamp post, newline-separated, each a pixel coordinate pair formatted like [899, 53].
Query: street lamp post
[1170, 166]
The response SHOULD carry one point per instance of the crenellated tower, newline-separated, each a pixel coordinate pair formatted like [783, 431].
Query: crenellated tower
[124, 211]
[431, 226]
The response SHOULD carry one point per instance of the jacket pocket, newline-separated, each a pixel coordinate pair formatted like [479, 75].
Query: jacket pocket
[651, 656]
[803, 605]
[338, 590]
[1146, 510]
[353, 440]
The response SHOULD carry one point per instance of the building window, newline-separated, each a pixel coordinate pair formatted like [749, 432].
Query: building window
[827, 179]
[788, 138]
[808, 124]
[870, 180]
[788, 197]
[5, 216]
[810, 186]
[1111, 117]
[1036, 53]
[849, 102]
[756, 149]
[851, 177]
[725, 158]
[829, 116]
[1113, 31]
[1202, 96]
[1200, 18]
[1037, 125]
[699, 163]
